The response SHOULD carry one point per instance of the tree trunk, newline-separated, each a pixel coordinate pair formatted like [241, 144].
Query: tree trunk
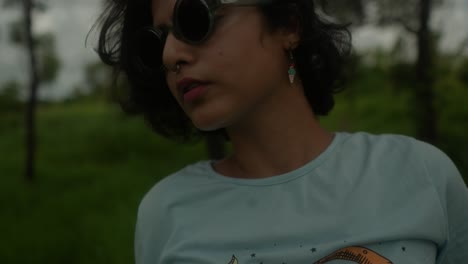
[32, 101]
[426, 117]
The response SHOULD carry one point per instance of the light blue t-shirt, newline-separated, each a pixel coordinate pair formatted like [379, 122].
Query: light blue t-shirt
[366, 199]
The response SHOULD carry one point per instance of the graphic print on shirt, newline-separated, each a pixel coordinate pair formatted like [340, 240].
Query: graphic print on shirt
[233, 260]
[360, 255]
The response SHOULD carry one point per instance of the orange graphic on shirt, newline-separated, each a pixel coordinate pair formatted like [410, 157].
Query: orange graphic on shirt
[360, 255]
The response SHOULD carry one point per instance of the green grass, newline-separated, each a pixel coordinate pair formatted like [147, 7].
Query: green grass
[93, 167]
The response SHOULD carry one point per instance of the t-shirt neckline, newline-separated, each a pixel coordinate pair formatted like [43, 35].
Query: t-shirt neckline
[281, 178]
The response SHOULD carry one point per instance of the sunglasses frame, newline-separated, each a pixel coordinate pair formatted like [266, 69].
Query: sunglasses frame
[162, 33]
[176, 30]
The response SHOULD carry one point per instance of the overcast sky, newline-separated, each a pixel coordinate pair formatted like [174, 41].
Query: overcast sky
[70, 21]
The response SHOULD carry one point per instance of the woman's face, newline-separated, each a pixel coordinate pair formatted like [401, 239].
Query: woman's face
[238, 73]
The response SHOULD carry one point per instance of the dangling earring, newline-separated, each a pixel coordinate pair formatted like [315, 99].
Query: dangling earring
[292, 67]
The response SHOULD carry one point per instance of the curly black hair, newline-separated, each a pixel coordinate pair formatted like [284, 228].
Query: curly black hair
[320, 56]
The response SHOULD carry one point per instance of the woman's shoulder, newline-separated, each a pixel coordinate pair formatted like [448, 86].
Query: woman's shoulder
[399, 152]
[390, 144]
[176, 184]
[371, 139]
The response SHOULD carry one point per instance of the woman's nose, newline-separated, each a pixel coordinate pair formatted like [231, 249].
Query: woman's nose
[177, 52]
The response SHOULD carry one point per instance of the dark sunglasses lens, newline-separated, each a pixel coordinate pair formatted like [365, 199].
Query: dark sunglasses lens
[192, 19]
[150, 45]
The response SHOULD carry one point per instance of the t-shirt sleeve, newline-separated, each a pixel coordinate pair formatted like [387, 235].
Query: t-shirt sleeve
[153, 227]
[453, 195]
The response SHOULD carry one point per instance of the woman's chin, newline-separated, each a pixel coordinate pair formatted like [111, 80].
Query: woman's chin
[208, 123]
[208, 126]
[210, 117]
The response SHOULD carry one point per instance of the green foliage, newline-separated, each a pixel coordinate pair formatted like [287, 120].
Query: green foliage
[10, 3]
[94, 166]
[16, 33]
[9, 97]
[379, 100]
[37, 5]
[49, 62]
[463, 72]
[370, 103]
[101, 84]
[402, 74]
[99, 80]
[383, 12]
[452, 109]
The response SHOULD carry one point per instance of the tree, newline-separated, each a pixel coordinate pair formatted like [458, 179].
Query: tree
[414, 16]
[424, 92]
[43, 66]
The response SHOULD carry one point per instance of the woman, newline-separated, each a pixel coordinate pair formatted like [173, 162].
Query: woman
[260, 72]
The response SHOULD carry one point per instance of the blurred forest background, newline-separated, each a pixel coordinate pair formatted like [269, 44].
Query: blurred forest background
[74, 169]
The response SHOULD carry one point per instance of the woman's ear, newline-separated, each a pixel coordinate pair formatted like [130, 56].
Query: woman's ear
[292, 33]
[291, 40]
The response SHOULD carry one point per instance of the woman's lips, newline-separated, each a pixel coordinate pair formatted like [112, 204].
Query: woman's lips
[195, 93]
[191, 89]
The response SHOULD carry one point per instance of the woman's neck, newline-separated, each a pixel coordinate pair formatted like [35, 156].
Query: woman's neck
[281, 140]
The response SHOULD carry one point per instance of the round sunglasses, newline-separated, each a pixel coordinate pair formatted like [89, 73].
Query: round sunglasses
[193, 23]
